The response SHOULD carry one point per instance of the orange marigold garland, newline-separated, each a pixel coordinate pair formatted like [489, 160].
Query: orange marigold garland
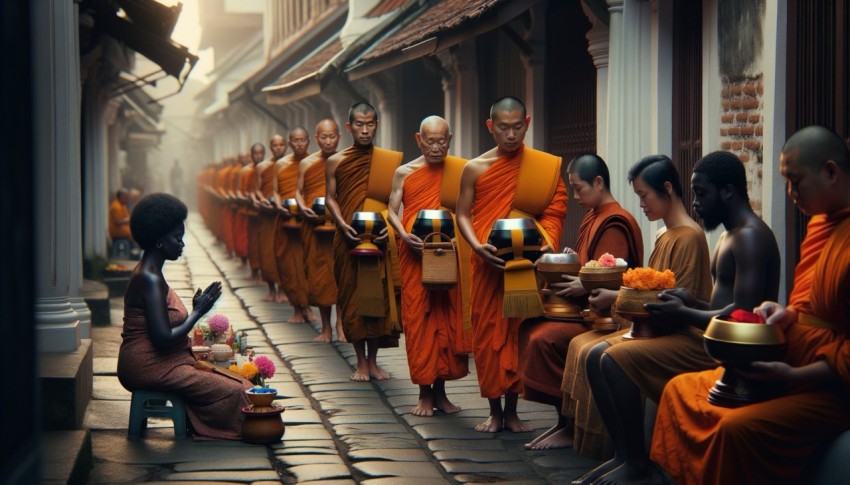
[649, 279]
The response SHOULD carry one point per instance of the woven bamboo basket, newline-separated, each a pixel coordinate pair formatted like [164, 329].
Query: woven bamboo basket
[439, 262]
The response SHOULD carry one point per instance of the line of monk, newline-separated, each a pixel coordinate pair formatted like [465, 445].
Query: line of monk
[595, 379]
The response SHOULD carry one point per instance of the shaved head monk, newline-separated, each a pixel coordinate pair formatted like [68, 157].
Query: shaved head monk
[773, 441]
[431, 317]
[605, 228]
[247, 188]
[289, 252]
[360, 179]
[266, 199]
[499, 184]
[317, 237]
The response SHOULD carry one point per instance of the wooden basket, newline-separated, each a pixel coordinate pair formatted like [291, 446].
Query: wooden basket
[439, 262]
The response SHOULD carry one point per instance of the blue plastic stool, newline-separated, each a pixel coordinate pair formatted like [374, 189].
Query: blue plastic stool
[120, 249]
[152, 404]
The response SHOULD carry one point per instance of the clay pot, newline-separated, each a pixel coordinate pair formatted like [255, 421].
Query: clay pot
[263, 425]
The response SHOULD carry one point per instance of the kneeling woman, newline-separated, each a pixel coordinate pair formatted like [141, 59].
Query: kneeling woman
[155, 352]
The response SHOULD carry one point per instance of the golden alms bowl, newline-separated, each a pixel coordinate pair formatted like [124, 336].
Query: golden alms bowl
[739, 344]
[632, 301]
[610, 278]
[551, 266]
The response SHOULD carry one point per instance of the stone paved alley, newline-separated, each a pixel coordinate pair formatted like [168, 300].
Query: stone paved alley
[337, 431]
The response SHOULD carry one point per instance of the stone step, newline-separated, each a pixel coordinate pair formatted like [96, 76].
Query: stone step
[66, 457]
[96, 295]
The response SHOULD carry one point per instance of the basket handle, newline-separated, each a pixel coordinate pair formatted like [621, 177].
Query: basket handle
[437, 237]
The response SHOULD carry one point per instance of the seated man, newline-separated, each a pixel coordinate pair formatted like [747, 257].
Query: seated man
[773, 441]
[543, 343]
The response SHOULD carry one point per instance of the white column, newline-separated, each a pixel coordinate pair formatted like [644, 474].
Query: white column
[97, 195]
[631, 117]
[467, 116]
[535, 78]
[447, 81]
[597, 47]
[56, 131]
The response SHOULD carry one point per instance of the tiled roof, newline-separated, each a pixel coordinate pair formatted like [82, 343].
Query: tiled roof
[439, 17]
[385, 6]
[311, 64]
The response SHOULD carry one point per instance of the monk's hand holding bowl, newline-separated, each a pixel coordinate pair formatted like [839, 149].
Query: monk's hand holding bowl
[545, 249]
[382, 236]
[571, 286]
[349, 234]
[309, 214]
[203, 302]
[776, 314]
[284, 211]
[601, 298]
[487, 252]
[413, 242]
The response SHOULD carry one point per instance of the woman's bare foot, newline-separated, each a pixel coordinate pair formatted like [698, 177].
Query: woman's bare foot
[561, 438]
[377, 373]
[492, 425]
[626, 473]
[597, 472]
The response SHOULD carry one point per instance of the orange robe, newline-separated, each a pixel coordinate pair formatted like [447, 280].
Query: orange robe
[431, 318]
[772, 441]
[118, 212]
[495, 338]
[352, 178]
[648, 363]
[543, 343]
[228, 216]
[249, 184]
[241, 180]
[318, 245]
[267, 227]
[288, 248]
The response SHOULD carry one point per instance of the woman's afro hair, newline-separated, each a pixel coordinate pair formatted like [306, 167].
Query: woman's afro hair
[155, 215]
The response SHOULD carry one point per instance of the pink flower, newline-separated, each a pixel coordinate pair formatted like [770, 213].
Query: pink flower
[265, 365]
[218, 323]
[607, 260]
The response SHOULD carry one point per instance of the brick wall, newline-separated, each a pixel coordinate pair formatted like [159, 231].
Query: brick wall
[741, 129]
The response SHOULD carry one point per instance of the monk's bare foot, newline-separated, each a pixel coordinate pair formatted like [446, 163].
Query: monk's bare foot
[597, 472]
[308, 315]
[296, 318]
[324, 337]
[626, 473]
[362, 373]
[425, 407]
[562, 438]
[377, 373]
[281, 297]
[443, 404]
[513, 423]
[492, 425]
[270, 297]
[340, 333]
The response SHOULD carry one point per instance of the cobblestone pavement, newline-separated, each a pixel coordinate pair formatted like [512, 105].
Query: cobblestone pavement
[337, 431]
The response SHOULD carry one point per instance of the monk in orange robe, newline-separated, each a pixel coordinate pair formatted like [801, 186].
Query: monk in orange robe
[232, 205]
[242, 180]
[119, 216]
[316, 235]
[774, 440]
[249, 186]
[606, 228]
[431, 317]
[489, 191]
[348, 174]
[288, 248]
[266, 200]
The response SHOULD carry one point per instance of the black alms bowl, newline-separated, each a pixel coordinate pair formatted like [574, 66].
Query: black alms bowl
[319, 206]
[500, 238]
[359, 222]
[427, 221]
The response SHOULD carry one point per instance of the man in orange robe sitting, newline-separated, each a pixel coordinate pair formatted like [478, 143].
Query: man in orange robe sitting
[119, 216]
[606, 228]
[316, 236]
[288, 248]
[773, 441]
[356, 181]
[490, 190]
[431, 317]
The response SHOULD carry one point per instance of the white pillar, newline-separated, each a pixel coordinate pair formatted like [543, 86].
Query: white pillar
[56, 79]
[597, 47]
[535, 78]
[467, 117]
[97, 195]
